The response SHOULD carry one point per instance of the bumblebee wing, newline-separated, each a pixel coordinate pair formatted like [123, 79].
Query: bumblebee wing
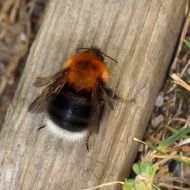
[106, 98]
[96, 111]
[41, 102]
[42, 81]
[99, 98]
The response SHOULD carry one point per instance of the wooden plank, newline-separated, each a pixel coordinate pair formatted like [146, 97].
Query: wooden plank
[142, 36]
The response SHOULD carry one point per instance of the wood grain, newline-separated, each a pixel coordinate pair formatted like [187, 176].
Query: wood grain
[142, 36]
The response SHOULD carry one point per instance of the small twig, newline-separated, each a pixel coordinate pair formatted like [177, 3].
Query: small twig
[184, 69]
[177, 119]
[106, 184]
[172, 186]
[180, 82]
[172, 179]
[14, 11]
[173, 157]
[183, 34]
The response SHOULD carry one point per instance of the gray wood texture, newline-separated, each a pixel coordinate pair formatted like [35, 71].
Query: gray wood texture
[141, 35]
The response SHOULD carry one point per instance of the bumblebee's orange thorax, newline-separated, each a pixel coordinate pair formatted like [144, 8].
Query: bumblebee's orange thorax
[85, 71]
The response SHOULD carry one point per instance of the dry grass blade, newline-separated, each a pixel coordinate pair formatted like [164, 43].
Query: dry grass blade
[186, 141]
[172, 187]
[105, 185]
[180, 82]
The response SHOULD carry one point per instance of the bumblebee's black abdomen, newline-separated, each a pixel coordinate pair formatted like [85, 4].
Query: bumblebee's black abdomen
[70, 111]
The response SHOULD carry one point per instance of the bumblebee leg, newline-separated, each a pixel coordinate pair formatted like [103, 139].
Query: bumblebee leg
[43, 126]
[87, 144]
[113, 95]
[106, 98]
[88, 139]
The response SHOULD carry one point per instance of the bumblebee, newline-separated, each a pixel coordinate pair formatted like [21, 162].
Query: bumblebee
[75, 96]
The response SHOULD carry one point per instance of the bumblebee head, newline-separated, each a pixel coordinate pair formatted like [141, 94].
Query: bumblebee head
[100, 55]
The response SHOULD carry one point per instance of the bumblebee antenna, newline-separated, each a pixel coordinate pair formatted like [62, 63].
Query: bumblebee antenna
[99, 52]
[108, 57]
[82, 49]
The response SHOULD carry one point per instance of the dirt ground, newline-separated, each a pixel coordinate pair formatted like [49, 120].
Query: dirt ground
[19, 23]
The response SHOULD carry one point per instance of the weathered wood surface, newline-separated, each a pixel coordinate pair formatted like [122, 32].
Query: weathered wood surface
[142, 36]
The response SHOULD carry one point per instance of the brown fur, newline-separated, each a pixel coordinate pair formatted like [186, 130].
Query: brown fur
[85, 70]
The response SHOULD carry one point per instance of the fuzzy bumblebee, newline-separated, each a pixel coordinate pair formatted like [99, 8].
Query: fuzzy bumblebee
[74, 97]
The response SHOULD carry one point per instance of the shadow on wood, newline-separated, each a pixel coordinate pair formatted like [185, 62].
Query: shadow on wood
[142, 36]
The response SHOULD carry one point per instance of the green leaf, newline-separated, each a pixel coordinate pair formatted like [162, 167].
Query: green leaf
[137, 169]
[170, 140]
[146, 171]
[129, 184]
[172, 129]
[147, 167]
[182, 161]
[155, 187]
[139, 185]
[187, 43]
[132, 184]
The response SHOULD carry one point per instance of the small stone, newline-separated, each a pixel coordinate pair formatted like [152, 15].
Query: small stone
[159, 101]
[141, 148]
[23, 37]
[156, 121]
[188, 71]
